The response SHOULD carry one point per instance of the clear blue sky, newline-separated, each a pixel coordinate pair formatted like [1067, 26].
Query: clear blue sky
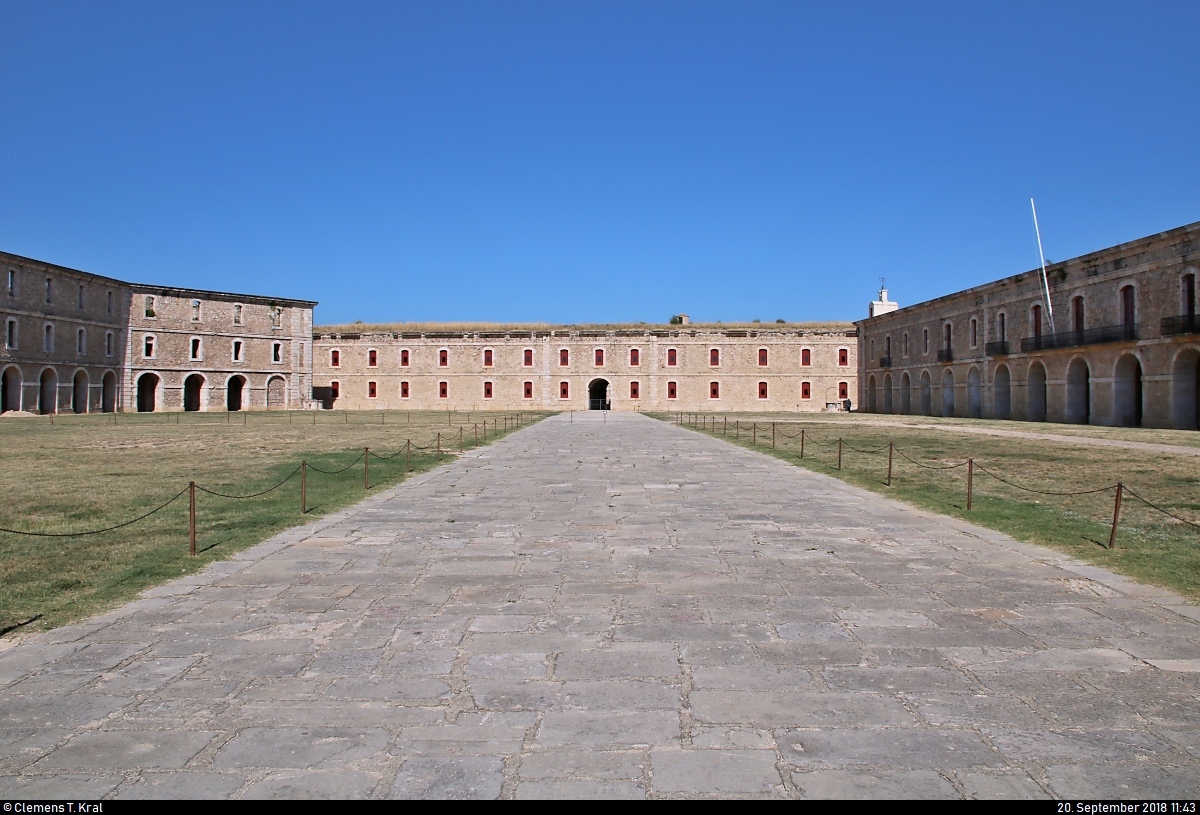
[591, 161]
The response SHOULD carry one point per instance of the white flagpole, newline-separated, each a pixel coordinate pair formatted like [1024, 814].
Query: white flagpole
[1045, 281]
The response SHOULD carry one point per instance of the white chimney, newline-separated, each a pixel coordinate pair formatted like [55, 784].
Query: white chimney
[882, 305]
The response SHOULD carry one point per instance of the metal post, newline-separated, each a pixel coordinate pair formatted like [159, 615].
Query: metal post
[839, 454]
[1112, 538]
[802, 442]
[192, 517]
[303, 487]
[970, 480]
[366, 467]
[889, 483]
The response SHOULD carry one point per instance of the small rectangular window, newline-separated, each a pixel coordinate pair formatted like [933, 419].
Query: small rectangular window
[672, 356]
[81, 295]
[599, 356]
[487, 390]
[148, 347]
[48, 342]
[528, 357]
[671, 392]
[237, 314]
[195, 348]
[110, 302]
[404, 358]
[564, 357]
[762, 356]
[635, 357]
[10, 334]
[334, 389]
[372, 358]
[195, 311]
[564, 390]
[108, 344]
[714, 357]
[12, 283]
[443, 390]
[80, 342]
[843, 390]
[277, 352]
[276, 317]
[237, 350]
[806, 357]
[805, 390]
[49, 290]
[371, 391]
[843, 357]
[714, 390]
[762, 390]
[443, 358]
[335, 359]
[487, 357]
[633, 390]
[528, 390]
[148, 307]
[403, 390]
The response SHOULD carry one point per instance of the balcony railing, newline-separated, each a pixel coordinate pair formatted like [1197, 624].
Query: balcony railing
[1183, 324]
[996, 349]
[885, 362]
[1074, 339]
[946, 355]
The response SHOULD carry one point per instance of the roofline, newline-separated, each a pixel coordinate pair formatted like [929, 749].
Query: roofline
[24, 259]
[147, 288]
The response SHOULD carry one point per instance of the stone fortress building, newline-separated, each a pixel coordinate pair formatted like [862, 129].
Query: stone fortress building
[669, 368]
[76, 342]
[1124, 348]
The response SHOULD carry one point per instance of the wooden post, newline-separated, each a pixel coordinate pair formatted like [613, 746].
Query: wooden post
[303, 487]
[889, 483]
[366, 468]
[1112, 538]
[408, 455]
[725, 426]
[314, 418]
[772, 435]
[460, 438]
[439, 446]
[191, 517]
[839, 454]
[737, 428]
[802, 442]
[970, 480]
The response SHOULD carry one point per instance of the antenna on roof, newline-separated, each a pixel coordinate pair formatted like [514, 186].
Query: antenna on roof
[1045, 281]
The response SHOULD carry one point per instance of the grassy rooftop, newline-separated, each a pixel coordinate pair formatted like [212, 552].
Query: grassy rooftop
[383, 328]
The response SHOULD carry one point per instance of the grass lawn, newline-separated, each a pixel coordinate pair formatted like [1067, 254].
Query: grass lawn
[90, 472]
[1150, 546]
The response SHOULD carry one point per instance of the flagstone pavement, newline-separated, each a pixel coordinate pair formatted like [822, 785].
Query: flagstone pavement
[613, 606]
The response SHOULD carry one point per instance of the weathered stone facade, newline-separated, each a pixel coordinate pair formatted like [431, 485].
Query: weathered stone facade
[769, 369]
[1124, 348]
[78, 342]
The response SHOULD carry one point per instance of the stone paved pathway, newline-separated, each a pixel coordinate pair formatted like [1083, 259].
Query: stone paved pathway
[618, 609]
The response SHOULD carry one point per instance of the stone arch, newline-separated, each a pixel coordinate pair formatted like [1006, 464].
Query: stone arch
[905, 394]
[193, 392]
[948, 392]
[235, 393]
[926, 394]
[1185, 393]
[48, 391]
[1079, 392]
[887, 393]
[871, 402]
[108, 396]
[1127, 392]
[79, 392]
[276, 392]
[974, 393]
[147, 393]
[598, 395]
[1002, 393]
[1035, 392]
[10, 389]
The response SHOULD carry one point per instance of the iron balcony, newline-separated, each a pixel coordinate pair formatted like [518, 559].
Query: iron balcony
[996, 349]
[885, 362]
[1074, 339]
[946, 355]
[1183, 324]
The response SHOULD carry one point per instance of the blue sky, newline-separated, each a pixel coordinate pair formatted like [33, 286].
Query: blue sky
[591, 162]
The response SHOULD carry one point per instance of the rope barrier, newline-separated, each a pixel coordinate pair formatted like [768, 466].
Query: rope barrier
[253, 494]
[1160, 509]
[337, 472]
[929, 466]
[160, 507]
[1042, 492]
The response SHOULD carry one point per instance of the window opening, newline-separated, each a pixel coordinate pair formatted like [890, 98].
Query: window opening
[925, 340]
[564, 390]
[371, 392]
[1077, 316]
[806, 357]
[672, 356]
[762, 356]
[108, 344]
[10, 334]
[12, 283]
[80, 342]
[843, 390]
[1036, 316]
[528, 390]
[403, 390]
[148, 347]
[443, 358]
[372, 358]
[148, 307]
[276, 317]
[528, 357]
[81, 295]
[1002, 327]
[404, 358]
[277, 352]
[1189, 295]
[335, 358]
[671, 391]
[195, 311]
[762, 390]
[334, 389]
[947, 336]
[487, 390]
[49, 291]
[49, 339]
[714, 390]
[237, 350]
[843, 357]
[564, 357]
[237, 314]
[487, 357]
[443, 390]
[599, 356]
[714, 356]
[1127, 306]
[195, 348]
[805, 390]
[635, 357]
[974, 332]
[110, 302]
[633, 390]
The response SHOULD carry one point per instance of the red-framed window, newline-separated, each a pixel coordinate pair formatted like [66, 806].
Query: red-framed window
[335, 389]
[403, 390]
[404, 358]
[635, 357]
[528, 357]
[672, 356]
[372, 358]
[564, 390]
[806, 356]
[672, 393]
[714, 356]
[599, 356]
[714, 390]
[843, 390]
[564, 357]
[443, 358]
[762, 390]
[528, 390]
[633, 390]
[487, 390]
[805, 390]
[762, 356]
[487, 357]
[843, 357]
[372, 391]
[443, 390]
[335, 359]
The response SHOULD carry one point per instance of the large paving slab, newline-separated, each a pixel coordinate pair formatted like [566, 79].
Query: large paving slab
[617, 607]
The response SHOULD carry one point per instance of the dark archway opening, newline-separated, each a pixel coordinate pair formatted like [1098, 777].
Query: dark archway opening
[109, 399]
[233, 393]
[191, 392]
[48, 392]
[79, 393]
[598, 395]
[10, 390]
[1127, 392]
[147, 393]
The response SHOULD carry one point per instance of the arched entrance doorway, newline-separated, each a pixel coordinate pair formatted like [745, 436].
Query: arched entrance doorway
[926, 394]
[233, 392]
[887, 393]
[48, 392]
[1002, 393]
[108, 401]
[1079, 393]
[193, 386]
[10, 389]
[1185, 395]
[147, 393]
[974, 394]
[1127, 392]
[1035, 392]
[598, 395]
[871, 406]
[276, 392]
[905, 394]
[948, 393]
[79, 392]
